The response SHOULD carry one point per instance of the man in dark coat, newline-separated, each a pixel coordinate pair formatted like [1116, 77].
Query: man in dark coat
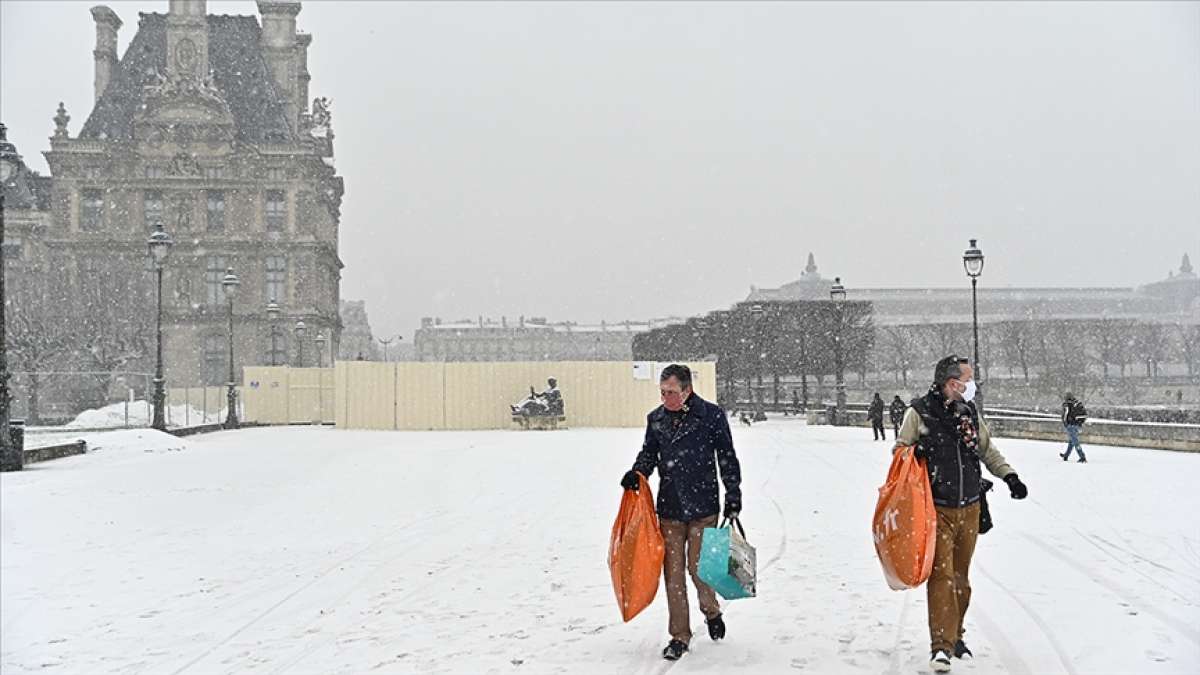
[952, 438]
[875, 414]
[1073, 417]
[687, 439]
[896, 412]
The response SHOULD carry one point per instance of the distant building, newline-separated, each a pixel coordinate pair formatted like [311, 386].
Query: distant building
[1177, 297]
[533, 339]
[202, 129]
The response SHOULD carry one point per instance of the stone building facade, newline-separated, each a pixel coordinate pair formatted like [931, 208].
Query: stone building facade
[1176, 298]
[203, 130]
[532, 339]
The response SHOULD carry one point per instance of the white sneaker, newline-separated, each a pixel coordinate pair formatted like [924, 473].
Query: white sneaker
[940, 661]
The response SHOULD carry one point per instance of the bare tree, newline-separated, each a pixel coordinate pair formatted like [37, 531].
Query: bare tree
[1151, 346]
[38, 336]
[1188, 346]
[901, 349]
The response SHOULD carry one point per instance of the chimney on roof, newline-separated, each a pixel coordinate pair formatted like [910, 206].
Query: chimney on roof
[105, 54]
[187, 39]
[282, 48]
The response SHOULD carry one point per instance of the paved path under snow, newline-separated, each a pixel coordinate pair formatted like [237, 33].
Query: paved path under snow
[321, 551]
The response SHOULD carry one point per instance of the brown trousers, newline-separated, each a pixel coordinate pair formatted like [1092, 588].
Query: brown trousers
[682, 543]
[949, 588]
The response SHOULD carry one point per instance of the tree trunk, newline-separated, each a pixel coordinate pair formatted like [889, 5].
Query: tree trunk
[35, 418]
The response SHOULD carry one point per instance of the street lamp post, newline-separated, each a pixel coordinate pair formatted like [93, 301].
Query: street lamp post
[299, 330]
[320, 340]
[159, 244]
[273, 312]
[230, 283]
[837, 293]
[973, 264]
[387, 342]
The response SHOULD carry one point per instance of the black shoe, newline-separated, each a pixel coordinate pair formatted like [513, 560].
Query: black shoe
[1064, 457]
[1083, 460]
[961, 651]
[716, 627]
[674, 650]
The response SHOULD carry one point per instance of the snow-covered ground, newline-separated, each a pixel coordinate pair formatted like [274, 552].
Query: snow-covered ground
[325, 551]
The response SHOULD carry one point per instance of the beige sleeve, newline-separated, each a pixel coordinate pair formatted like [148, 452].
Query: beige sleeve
[992, 459]
[910, 428]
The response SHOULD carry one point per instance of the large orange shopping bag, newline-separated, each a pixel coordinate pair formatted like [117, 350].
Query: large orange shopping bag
[905, 522]
[635, 551]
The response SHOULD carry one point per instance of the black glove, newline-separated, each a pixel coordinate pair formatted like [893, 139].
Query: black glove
[732, 508]
[1016, 487]
[922, 452]
[630, 480]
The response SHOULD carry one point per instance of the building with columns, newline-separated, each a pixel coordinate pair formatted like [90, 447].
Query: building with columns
[202, 129]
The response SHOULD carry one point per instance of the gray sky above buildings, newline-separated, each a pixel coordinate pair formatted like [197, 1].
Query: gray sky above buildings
[628, 160]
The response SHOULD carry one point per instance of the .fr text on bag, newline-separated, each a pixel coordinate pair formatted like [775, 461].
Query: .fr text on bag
[905, 522]
[635, 551]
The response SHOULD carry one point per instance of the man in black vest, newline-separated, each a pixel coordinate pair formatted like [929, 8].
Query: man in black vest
[952, 438]
[687, 438]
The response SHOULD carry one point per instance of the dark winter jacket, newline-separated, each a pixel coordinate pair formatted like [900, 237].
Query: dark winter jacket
[1074, 414]
[896, 411]
[875, 412]
[954, 467]
[687, 458]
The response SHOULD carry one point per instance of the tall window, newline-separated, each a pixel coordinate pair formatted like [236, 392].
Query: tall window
[216, 210]
[276, 278]
[276, 210]
[277, 347]
[152, 209]
[155, 172]
[91, 216]
[214, 272]
[215, 172]
[276, 173]
[216, 360]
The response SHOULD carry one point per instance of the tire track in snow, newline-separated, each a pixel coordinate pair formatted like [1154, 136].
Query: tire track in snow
[1190, 632]
[1045, 628]
[894, 662]
[1009, 654]
[461, 562]
[303, 587]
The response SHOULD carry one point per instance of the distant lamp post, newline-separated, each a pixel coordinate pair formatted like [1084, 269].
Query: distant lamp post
[299, 331]
[230, 284]
[320, 340]
[973, 264]
[388, 342]
[159, 244]
[837, 293]
[273, 312]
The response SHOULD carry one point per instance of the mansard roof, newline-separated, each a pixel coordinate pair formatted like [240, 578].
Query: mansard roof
[239, 70]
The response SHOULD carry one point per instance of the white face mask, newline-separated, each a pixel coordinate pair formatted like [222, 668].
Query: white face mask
[969, 391]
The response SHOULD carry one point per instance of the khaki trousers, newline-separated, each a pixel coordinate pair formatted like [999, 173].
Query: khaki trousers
[949, 588]
[682, 543]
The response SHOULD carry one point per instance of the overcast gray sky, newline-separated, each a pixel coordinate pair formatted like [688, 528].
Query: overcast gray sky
[629, 160]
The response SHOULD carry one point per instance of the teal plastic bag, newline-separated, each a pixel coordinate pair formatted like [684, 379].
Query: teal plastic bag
[728, 563]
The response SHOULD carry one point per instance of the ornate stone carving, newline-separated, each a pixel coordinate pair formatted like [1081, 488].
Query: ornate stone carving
[60, 122]
[183, 164]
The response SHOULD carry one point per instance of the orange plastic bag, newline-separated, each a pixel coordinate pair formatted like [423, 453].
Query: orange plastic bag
[635, 551]
[905, 522]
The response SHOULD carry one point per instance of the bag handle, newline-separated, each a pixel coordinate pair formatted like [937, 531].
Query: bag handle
[736, 521]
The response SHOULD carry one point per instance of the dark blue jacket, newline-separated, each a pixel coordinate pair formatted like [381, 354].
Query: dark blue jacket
[687, 460]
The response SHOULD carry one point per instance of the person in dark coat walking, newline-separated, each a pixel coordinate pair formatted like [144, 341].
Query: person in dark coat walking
[952, 438]
[896, 412]
[1073, 417]
[687, 440]
[875, 414]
